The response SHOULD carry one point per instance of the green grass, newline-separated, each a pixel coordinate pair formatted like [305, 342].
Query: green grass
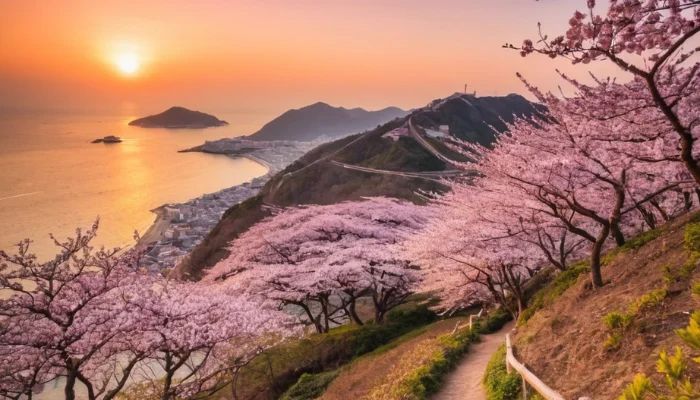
[310, 386]
[691, 237]
[493, 322]
[634, 243]
[499, 384]
[426, 379]
[275, 371]
[554, 289]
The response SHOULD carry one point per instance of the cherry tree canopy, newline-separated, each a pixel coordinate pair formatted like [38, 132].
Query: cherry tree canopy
[309, 254]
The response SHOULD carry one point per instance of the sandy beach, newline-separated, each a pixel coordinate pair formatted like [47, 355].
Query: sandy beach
[155, 231]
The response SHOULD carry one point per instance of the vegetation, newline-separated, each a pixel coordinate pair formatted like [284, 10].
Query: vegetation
[633, 243]
[499, 384]
[493, 322]
[554, 289]
[310, 386]
[319, 355]
[678, 385]
[428, 366]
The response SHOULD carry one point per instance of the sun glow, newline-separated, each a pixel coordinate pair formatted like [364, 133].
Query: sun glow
[128, 63]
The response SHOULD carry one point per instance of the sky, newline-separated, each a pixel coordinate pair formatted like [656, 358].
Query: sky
[273, 55]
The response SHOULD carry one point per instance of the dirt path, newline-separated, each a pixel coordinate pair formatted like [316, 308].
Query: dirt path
[464, 383]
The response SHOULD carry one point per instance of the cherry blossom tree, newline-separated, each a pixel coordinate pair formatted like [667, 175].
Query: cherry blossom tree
[664, 90]
[199, 337]
[64, 317]
[322, 258]
[91, 317]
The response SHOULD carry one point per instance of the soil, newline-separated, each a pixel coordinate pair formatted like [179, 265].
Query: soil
[361, 377]
[465, 382]
[563, 344]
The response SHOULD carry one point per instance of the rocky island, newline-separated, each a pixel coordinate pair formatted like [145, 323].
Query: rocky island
[178, 118]
[108, 139]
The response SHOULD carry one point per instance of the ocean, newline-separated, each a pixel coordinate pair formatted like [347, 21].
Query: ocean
[53, 180]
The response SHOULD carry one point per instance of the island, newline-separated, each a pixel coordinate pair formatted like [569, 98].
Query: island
[179, 118]
[108, 139]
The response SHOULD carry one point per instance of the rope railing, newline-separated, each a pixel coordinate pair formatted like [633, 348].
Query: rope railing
[529, 378]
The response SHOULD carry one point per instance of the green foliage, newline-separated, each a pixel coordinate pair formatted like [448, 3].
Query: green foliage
[616, 320]
[638, 388]
[691, 238]
[612, 342]
[554, 289]
[696, 288]
[426, 380]
[691, 334]
[648, 301]
[310, 386]
[673, 367]
[633, 244]
[277, 369]
[493, 323]
[499, 384]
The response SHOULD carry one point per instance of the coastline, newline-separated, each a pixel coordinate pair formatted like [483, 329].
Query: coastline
[171, 237]
[161, 223]
[156, 229]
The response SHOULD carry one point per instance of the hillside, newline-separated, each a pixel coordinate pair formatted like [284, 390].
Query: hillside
[178, 117]
[649, 286]
[320, 119]
[361, 165]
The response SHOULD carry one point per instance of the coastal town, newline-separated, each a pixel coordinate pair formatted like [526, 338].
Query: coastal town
[179, 227]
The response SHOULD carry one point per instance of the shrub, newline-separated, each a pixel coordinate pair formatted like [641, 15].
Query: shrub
[499, 384]
[691, 238]
[616, 320]
[425, 380]
[310, 386]
[674, 367]
[493, 323]
[648, 301]
[554, 289]
[613, 341]
[633, 244]
[276, 370]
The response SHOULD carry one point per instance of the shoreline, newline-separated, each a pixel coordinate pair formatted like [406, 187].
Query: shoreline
[171, 237]
[161, 224]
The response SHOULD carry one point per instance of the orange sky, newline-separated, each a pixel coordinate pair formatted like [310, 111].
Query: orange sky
[270, 55]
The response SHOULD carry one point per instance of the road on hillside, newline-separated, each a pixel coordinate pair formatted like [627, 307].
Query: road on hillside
[430, 175]
[412, 130]
[464, 383]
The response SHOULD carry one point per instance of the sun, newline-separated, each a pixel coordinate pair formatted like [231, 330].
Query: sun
[128, 63]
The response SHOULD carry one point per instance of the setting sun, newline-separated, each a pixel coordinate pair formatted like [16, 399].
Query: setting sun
[128, 63]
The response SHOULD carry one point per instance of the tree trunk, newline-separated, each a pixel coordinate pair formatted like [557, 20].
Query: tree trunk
[617, 235]
[597, 248]
[353, 314]
[69, 389]
[379, 316]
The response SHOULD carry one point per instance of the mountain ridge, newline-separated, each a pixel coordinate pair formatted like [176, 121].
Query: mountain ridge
[323, 120]
[322, 175]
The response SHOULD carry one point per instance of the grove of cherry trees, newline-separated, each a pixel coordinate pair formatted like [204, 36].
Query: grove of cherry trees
[607, 163]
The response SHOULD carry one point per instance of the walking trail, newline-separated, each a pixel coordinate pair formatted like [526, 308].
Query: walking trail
[464, 383]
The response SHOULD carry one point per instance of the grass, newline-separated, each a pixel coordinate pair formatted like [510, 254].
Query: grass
[493, 322]
[499, 384]
[634, 243]
[554, 289]
[310, 386]
[277, 370]
[427, 366]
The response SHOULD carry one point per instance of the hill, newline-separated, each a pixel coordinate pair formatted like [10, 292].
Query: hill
[365, 164]
[626, 323]
[178, 117]
[320, 119]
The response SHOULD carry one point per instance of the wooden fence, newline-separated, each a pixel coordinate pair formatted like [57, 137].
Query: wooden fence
[529, 378]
